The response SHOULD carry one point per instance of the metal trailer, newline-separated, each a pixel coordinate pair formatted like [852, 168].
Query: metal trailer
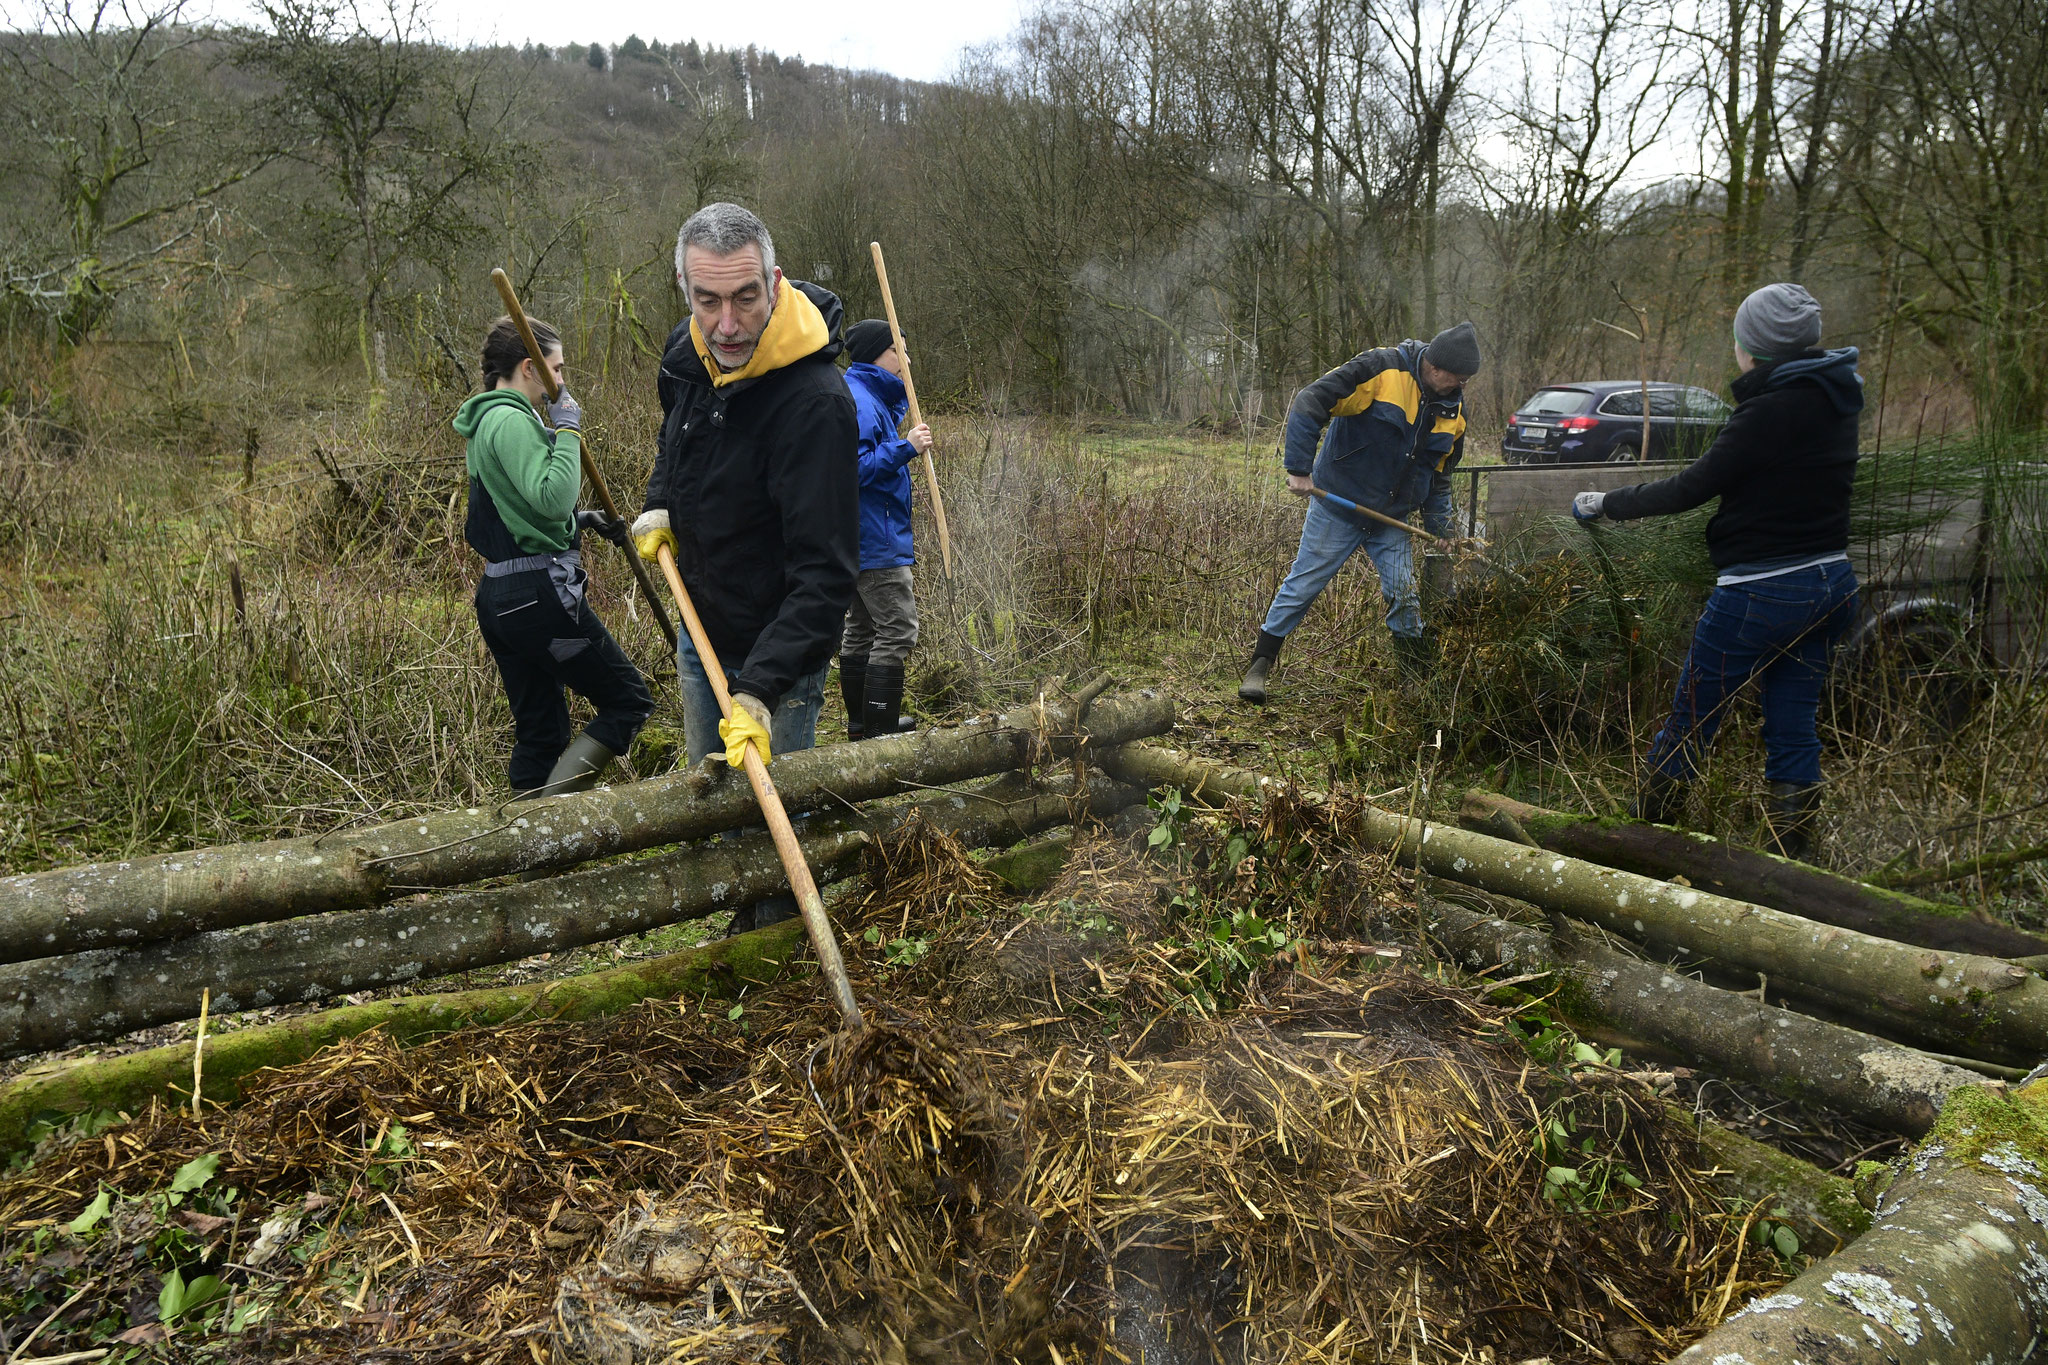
[1941, 600]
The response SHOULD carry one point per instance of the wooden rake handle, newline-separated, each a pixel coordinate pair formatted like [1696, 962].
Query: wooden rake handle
[931, 474]
[597, 484]
[809, 903]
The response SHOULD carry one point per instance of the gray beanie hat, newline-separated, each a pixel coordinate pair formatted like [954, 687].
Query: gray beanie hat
[1778, 321]
[1455, 349]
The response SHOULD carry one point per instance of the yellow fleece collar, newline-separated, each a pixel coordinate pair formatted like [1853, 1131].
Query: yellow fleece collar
[795, 329]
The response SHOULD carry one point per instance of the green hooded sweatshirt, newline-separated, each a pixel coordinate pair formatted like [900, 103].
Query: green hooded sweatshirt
[534, 476]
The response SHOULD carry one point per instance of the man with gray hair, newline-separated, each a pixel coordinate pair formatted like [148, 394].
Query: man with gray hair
[755, 489]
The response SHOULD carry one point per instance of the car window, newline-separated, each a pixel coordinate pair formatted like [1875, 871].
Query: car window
[1554, 403]
[1663, 402]
[1625, 403]
[1703, 405]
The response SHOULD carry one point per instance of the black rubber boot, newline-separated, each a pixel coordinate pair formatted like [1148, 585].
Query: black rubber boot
[853, 674]
[1416, 655]
[1790, 814]
[882, 709]
[762, 913]
[1660, 798]
[579, 767]
[1253, 688]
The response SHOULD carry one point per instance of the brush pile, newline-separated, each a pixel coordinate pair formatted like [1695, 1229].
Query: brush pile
[1104, 1158]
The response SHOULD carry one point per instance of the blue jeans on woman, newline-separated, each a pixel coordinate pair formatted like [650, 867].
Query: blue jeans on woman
[1327, 540]
[1779, 631]
[793, 726]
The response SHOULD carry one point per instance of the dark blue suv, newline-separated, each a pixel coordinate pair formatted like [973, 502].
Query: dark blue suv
[1603, 421]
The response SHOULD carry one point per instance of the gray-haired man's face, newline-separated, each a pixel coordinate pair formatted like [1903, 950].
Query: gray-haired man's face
[730, 298]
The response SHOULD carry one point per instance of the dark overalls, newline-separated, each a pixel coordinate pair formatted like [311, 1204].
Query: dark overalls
[545, 637]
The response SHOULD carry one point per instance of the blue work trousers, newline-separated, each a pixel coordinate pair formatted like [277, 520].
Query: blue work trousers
[793, 728]
[1328, 538]
[1779, 631]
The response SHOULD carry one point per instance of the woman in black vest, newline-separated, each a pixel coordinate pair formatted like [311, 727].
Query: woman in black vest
[523, 485]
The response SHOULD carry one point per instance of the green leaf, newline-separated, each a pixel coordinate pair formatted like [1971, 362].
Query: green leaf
[195, 1173]
[736, 1011]
[95, 1213]
[178, 1298]
[1160, 834]
[1785, 1241]
[1560, 1175]
[1585, 1054]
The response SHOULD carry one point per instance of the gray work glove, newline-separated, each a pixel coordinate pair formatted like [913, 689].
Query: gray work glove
[1586, 506]
[564, 412]
[598, 523]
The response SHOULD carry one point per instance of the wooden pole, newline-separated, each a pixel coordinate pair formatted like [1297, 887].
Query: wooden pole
[809, 904]
[931, 475]
[597, 484]
[1380, 517]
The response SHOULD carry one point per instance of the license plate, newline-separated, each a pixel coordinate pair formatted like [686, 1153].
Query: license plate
[1535, 435]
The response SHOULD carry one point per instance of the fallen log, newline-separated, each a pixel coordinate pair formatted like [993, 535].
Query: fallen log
[1954, 1269]
[105, 993]
[142, 900]
[1747, 875]
[129, 1082]
[1891, 1087]
[1821, 1208]
[1977, 1006]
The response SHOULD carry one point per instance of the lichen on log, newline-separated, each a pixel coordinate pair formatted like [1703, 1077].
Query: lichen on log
[128, 1082]
[1954, 1268]
[85, 997]
[162, 896]
[1977, 1006]
[1712, 864]
[1895, 1088]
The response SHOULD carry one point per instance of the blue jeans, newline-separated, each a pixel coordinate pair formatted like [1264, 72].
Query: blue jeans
[1327, 540]
[795, 725]
[1779, 631]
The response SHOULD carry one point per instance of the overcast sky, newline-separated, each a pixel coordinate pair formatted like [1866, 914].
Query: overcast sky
[921, 39]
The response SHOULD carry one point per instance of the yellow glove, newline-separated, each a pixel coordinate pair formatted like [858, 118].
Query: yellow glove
[748, 723]
[651, 532]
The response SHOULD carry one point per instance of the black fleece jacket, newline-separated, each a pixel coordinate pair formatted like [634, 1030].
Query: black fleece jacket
[761, 483]
[1783, 467]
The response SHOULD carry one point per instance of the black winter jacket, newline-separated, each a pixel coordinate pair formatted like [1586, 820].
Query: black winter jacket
[759, 477]
[1783, 467]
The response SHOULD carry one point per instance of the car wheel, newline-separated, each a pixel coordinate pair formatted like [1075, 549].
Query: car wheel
[1918, 662]
[1627, 450]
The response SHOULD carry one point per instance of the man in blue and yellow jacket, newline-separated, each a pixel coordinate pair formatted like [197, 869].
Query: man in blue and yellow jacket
[1392, 426]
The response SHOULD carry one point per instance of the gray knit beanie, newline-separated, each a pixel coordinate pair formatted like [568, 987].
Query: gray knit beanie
[1778, 321]
[1455, 349]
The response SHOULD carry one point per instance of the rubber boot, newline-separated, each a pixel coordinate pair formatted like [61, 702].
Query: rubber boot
[853, 674]
[1253, 688]
[1416, 656]
[579, 767]
[762, 913]
[1660, 798]
[1790, 814]
[882, 710]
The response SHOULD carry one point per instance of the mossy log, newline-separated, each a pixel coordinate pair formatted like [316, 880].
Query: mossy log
[1821, 1208]
[85, 997]
[165, 896]
[129, 1082]
[1962, 1003]
[1748, 875]
[1955, 1267]
[1892, 1087]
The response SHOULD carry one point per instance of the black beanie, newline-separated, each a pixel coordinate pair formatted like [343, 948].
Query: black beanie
[1455, 349]
[867, 339]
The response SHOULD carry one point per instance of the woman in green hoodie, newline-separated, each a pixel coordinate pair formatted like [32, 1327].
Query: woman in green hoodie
[523, 484]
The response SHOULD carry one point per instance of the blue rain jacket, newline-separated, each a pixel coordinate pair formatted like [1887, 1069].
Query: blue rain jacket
[885, 460]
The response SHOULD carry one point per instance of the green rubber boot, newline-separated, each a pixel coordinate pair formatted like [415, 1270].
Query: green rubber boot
[579, 767]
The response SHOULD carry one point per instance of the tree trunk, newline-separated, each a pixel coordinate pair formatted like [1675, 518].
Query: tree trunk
[1760, 878]
[1879, 1083]
[85, 997]
[1978, 1006]
[1821, 1208]
[166, 896]
[1955, 1269]
[129, 1082]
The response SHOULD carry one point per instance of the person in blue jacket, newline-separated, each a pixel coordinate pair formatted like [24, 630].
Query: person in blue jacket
[881, 625]
[1395, 419]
